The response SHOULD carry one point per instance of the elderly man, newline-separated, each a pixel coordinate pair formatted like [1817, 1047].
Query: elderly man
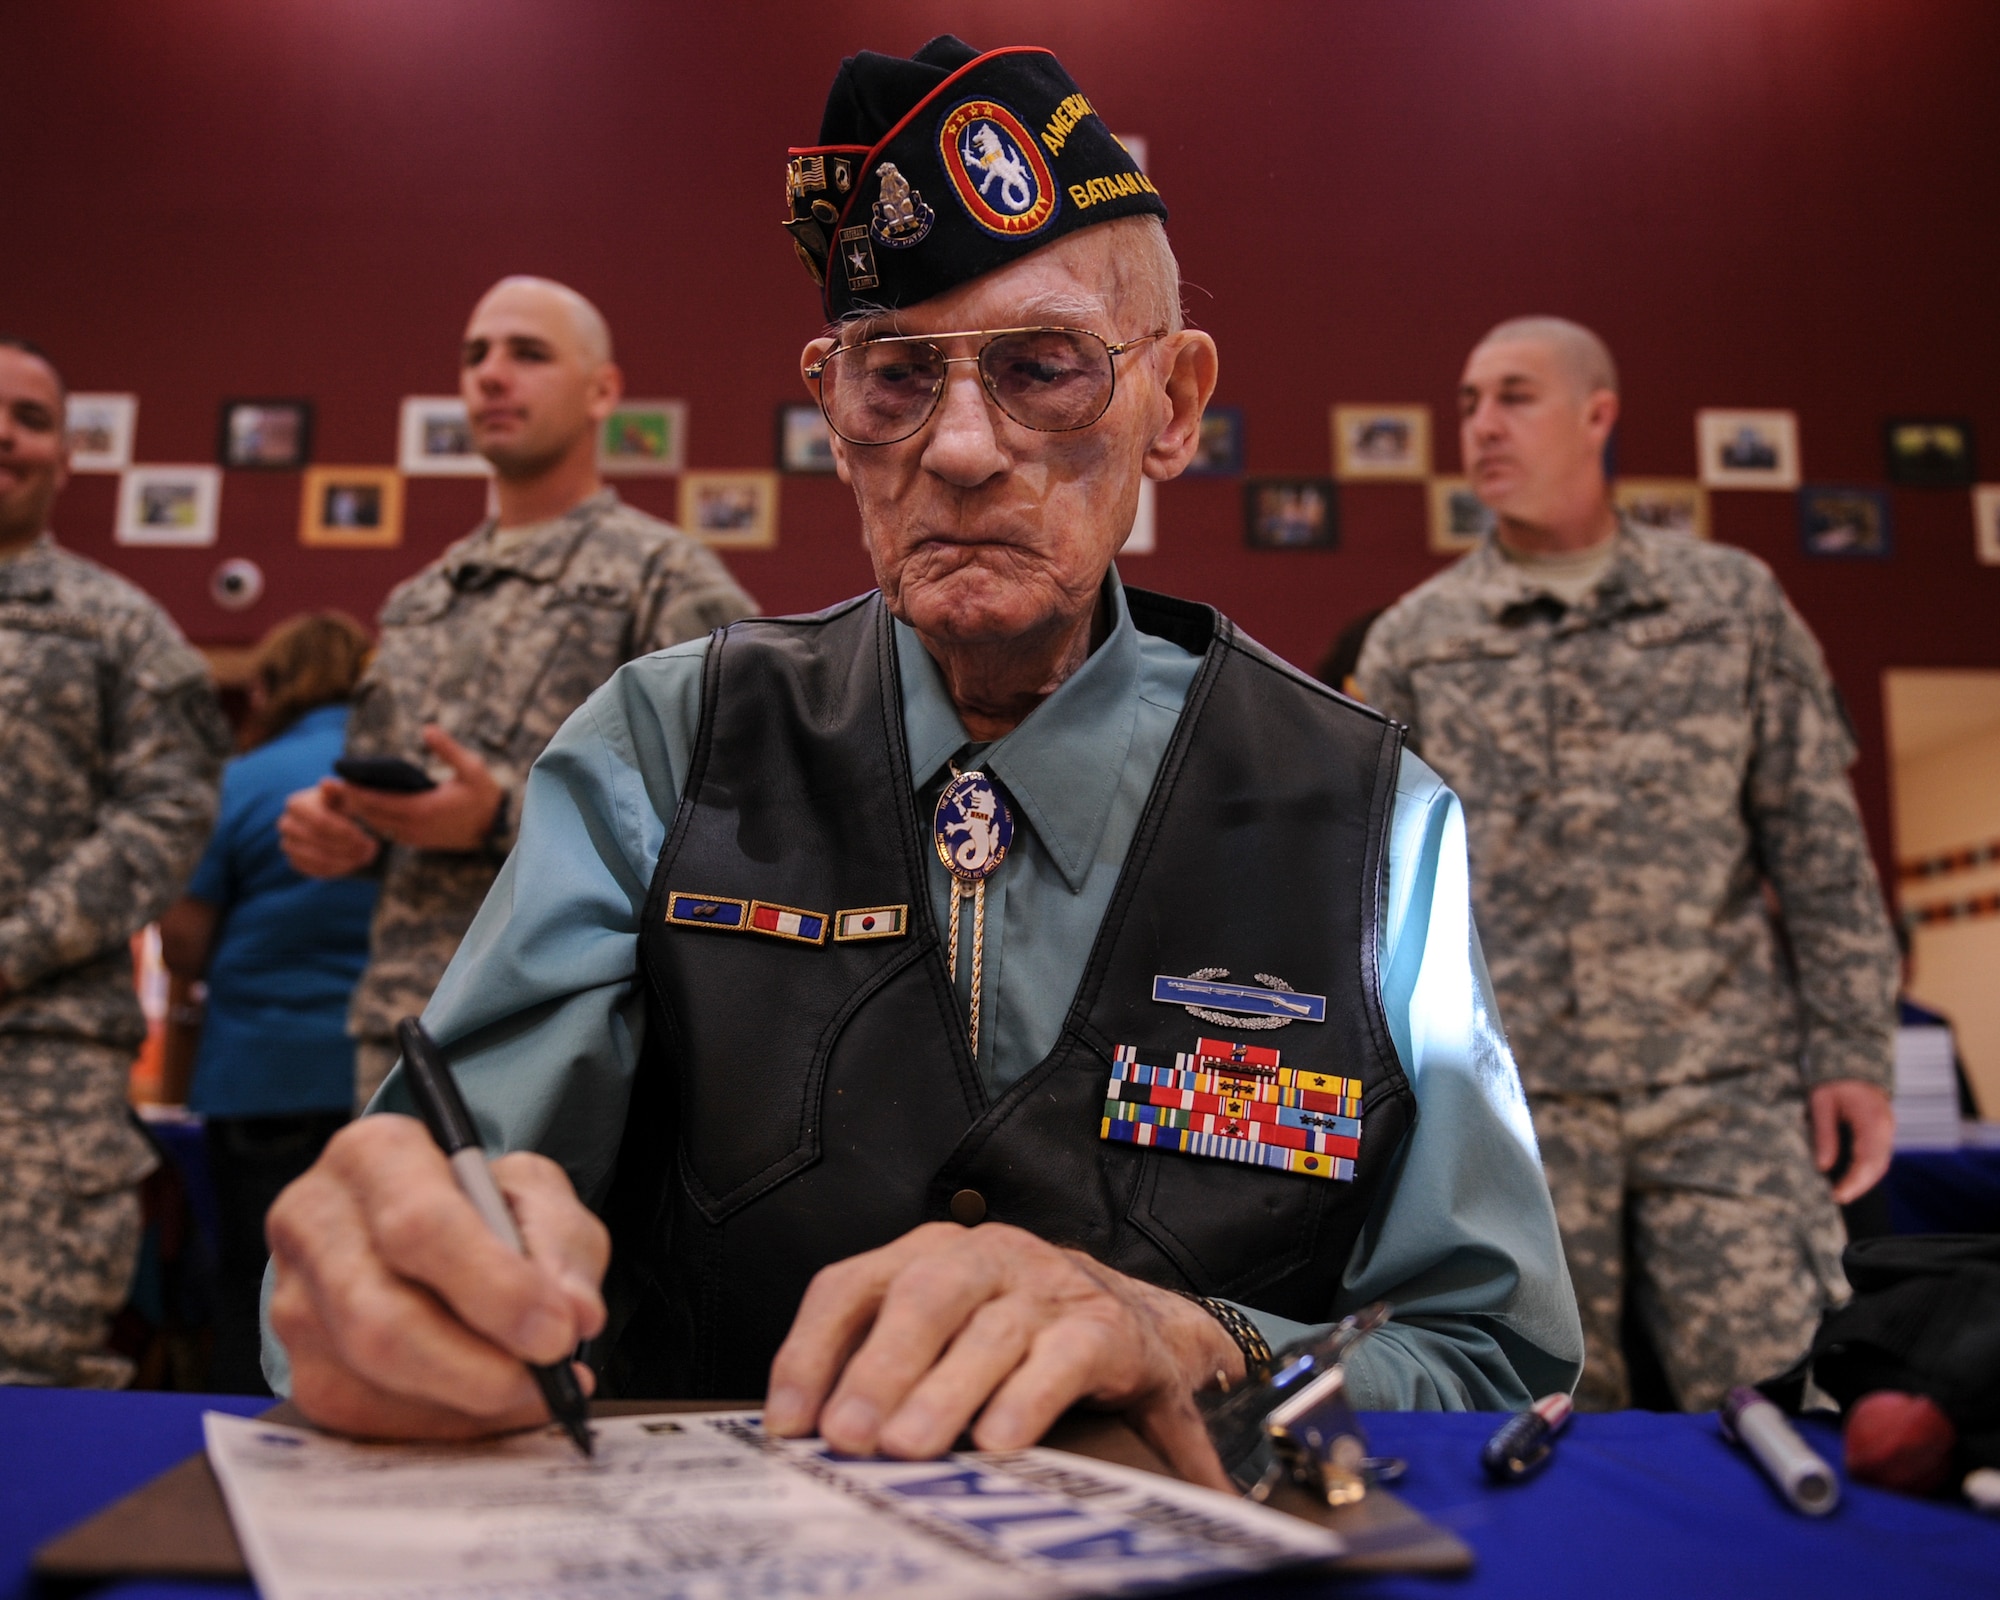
[1644, 736]
[113, 746]
[846, 962]
[488, 649]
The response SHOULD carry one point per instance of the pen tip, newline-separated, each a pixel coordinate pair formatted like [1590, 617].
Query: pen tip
[579, 1430]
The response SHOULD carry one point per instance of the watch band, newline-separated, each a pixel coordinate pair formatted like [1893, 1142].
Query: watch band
[1257, 1358]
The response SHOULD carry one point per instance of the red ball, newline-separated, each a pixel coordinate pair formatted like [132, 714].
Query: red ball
[1899, 1441]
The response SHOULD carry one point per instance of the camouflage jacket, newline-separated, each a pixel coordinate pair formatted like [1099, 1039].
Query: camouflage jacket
[498, 641]
[1634, 772]
[113, 745]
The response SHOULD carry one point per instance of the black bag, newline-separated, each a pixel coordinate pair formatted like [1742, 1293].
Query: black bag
[1925, 1319]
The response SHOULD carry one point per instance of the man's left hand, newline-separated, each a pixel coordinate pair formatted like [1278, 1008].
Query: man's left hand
[898, 1350]
[457, 815]
[1866, 1110]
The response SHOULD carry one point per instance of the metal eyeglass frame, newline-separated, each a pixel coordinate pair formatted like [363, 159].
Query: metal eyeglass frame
[985, 336]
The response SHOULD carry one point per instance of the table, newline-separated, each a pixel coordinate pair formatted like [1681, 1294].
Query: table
[1636, 1505]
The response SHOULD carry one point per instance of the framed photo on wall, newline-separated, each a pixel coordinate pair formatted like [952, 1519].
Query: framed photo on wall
[732, 510]
[1929, 452]
[100, 428]
[1143, 540]
[1220, 451]
[434, 439]
[1666, 505]
[1986, 523]
[351, 508]
[803, 444]
[1844, 520]
[168, 506]
[644, 439]
[1291, 514]
[1459, 518]
[1382, 442]
[1747, 449]
[271, 435]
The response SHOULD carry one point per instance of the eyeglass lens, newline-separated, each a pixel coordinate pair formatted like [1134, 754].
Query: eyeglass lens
[1053, 380]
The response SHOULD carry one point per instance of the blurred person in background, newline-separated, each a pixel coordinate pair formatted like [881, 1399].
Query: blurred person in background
[488, 649]
[1645, 737]
[280, 954]
[113, 740]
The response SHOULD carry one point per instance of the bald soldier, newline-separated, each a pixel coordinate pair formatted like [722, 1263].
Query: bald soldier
[488, 649]
[1645, 737]
[1002, 990]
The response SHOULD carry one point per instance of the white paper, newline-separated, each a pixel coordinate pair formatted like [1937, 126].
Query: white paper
[703, 1506]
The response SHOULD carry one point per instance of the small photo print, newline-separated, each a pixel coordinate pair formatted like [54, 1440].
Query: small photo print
[275, 435]
[168, 506]
[1665, 505]
[1986, 523]
[1459, 518]
[644, 439]
[1929, 452]
[434, 439]
[734, 510]
[1291, 514]
[351, 508]
[100, 428]
[1382, 442]
[1844, 520]
[1748, 449]
[1220, 452]
[804, 442]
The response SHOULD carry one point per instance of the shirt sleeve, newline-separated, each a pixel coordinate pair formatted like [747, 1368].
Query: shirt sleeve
[1814, 851]
[1381, 679]
[214, 880]
[1463, 1242]
[166, 743]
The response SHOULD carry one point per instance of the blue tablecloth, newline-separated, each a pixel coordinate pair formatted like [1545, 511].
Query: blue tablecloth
[1634, 1506]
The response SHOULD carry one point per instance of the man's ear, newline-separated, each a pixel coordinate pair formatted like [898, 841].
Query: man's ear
[817, 351]
[607, 388]
[1600, 414]
[1191, 364]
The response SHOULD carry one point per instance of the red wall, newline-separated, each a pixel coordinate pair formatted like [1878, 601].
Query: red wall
[1758, 202]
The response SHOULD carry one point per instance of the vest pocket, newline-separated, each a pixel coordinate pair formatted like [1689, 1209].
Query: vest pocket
[1232, 1229]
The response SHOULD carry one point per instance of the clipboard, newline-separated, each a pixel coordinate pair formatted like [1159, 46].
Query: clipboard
[177, 1526]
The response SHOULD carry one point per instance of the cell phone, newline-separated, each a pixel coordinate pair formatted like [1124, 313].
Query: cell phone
[390, 773]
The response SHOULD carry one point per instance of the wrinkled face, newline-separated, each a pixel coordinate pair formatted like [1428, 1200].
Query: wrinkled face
[1532, 439]
[34, 456]
[981, 530]
[531, 386]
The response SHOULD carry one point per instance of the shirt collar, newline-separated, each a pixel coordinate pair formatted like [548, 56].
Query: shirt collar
[1061, 766]
[538, 553]
[25, 574]
[1630, 583]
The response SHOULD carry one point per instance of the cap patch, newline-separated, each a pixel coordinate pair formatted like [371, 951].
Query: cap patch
[996, 169]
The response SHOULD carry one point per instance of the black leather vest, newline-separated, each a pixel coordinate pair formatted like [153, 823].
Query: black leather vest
[795, 1105]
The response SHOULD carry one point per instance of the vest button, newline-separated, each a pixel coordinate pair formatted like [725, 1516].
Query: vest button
[968, 1207]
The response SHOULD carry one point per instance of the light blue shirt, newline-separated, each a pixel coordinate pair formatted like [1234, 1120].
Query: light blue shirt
[543, 1016]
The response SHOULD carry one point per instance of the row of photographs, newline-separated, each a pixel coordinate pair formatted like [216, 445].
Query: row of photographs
[1380, 443]
[361, 508]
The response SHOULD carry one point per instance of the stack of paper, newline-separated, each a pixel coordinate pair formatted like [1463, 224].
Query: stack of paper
[1926, 1090]
[704, 1507]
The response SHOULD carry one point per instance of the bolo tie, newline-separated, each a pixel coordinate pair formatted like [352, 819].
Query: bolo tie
[974, 830]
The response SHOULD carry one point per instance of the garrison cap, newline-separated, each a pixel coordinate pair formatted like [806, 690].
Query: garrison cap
[932, 171]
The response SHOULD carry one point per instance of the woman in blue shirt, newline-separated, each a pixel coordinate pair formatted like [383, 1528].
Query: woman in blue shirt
[280, 954]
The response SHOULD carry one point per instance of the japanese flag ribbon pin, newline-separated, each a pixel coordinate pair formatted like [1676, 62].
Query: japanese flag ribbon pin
[1233, 1102]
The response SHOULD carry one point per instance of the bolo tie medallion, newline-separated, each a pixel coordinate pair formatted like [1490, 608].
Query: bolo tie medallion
[974, 831]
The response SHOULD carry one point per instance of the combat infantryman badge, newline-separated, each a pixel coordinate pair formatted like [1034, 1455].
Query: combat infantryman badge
[974, 831]
[900, 218]
[1272, 1006]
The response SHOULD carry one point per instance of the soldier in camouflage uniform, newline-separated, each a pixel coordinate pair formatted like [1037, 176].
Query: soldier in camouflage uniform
[1645, 739]
[486, 651]
[113, 746]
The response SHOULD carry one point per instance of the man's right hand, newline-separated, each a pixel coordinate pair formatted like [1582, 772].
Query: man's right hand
[403, 1315]
[317, 836]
